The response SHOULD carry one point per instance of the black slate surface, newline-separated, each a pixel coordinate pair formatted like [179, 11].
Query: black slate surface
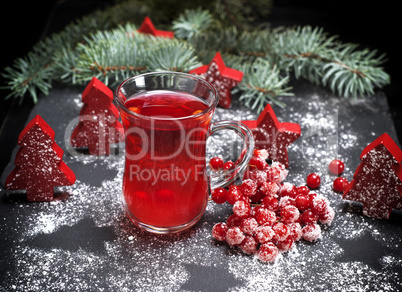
[83, 241]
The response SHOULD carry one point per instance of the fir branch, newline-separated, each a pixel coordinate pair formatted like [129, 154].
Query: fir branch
[192, 23]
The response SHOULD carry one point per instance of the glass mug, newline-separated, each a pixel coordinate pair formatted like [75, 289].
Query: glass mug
[167, 119]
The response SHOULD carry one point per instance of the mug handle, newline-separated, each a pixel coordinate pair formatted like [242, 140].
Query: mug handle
[224, 179]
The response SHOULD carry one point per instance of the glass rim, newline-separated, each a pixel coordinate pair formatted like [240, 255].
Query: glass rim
[210, 107]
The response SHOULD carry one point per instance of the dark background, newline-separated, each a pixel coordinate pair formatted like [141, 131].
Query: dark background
[371, 24]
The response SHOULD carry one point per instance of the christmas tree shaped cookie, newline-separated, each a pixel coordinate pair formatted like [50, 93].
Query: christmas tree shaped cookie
[377, 182]
[148, 27]
[221, 77]
[38, 163]
[98, 125]
[273, 136]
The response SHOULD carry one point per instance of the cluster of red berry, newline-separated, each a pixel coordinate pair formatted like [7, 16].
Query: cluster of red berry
[270, 215]
[336, 166]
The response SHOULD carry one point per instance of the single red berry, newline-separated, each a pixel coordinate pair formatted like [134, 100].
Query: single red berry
[249, 225]
[319, 203]
[336, 166]
[228, 165]
[261, 153]
[264, 233]
[257, 197]
[269, 188]
[267, 252]
[327, 217]
[286, 244]
[258, 163]
[289, 214]
[303, 202]
[271, 203]
[302, 190]
[281, 231]
[218, 195]
[216, 163]
[233, 221]
[309, 216]
[233, 194]
[265, 217]
[311, 232]
[313, 180]
[339, 184]
[288, 190]
[259, 176]
[295, 231]
[241, 209]
[219, 231]
[234, 236]
[248, 187]
[249, 245]
[286, 201]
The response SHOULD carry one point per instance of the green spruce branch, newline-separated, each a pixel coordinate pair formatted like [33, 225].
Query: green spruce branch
[108, 46]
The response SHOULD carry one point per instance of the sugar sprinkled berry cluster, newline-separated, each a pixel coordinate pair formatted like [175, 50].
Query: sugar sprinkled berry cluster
[269, 214]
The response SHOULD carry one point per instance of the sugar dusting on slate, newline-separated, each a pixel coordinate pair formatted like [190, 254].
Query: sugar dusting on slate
[131, 260]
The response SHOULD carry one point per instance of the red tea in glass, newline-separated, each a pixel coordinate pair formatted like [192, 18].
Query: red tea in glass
[167, 120]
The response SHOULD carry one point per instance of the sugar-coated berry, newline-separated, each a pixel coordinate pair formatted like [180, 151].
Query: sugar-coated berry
[267, 252]
[285, 244]
[249, 225]
[281, 231]
[287, 190]
[339, 184]
[233, 194]
[257, 197]
[309, 216]
[289, 214]
[228, 165]
[234, 236]
[233, 221]
[269, 188]
[249, 245]
[248, 187]
[216, 163]
[313, 180]
[258, 163]
[264, 234]
[265, 217]
[336, 166]
[295, 231]
[241, 209]
[286, 201]
[261, 153]
[270, 203]
[311, 232]
[259, 176]
[219, 231]
[276, 172]
[327, 217]
[218, 195]
[319, 204]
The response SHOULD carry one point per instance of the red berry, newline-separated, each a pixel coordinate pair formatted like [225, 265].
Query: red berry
[309, 216]
[302, 190]
[267, 252]
[313, 180]
[286, 244]
[336, 166]
[234, 236]
[295, 231]
[288, 190]
[271, 203]
[249, 187]
[241, 209]
[311, 232]
[233, 194]
[289, 214]
[233, 221]
[216, 163]
[286, 201]
[339, 184]
[249, 225]
[219, 231]
[303, 202]
[261, 153]
[327, 217]
[258, 163]
[259, 176]
[281, 231]
[264, 234]
[257, 197]
[276, 172]
[319, 204]
[218, 195]
[269, 188]
[228, 165]
[265, 217]
[249, 245]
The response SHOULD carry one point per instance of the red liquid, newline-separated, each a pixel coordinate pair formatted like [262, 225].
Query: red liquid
[165, 183]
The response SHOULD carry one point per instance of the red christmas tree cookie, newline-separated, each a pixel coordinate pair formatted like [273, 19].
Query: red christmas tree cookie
[377, 182]
[98, 125]
[221, 77]
[38, 163]
[273, 136]
[148, 27]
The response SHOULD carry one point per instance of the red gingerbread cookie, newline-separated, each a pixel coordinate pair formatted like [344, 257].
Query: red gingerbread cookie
[98, 125]
[220, 76]
[148, 27]
[273, 136]
[377, 182]
[38, 163]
